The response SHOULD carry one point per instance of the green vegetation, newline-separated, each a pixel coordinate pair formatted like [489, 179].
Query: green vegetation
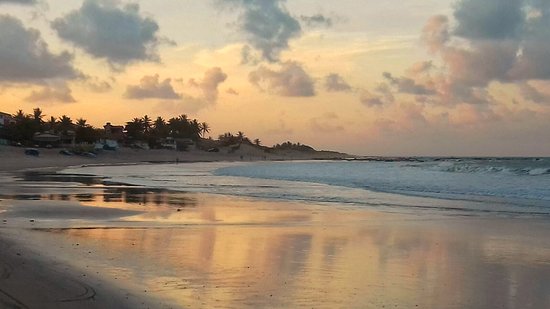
[157, 133]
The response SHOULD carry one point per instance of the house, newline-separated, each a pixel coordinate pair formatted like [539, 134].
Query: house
[5, 119]
[47, 139]
[182, 144]
[115, 133]
[168, 143]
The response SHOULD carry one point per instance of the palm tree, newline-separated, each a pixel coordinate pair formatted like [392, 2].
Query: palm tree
[37, 114]
[23, 128]
[81, 122]
[183, 118]
[19, 116]
[51, 125]
[257, 142]
[240, 136]
[135, 129]
[159, 123]
[205, 128]
[65, 124]
[146, 123]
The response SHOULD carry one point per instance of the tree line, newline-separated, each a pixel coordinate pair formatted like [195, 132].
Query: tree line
[140, 129]
[24, 127]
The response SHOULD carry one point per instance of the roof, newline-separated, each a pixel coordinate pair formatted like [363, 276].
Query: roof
[45, 137]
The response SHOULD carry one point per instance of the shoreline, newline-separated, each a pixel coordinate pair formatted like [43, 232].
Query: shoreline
[176, 249]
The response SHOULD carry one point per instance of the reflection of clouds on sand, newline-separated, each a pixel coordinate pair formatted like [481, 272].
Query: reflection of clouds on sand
[219, 251]
[363, 264]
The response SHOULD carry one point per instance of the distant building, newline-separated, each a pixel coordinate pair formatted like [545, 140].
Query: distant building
[5, 119]
[47, 139]
[112, 132]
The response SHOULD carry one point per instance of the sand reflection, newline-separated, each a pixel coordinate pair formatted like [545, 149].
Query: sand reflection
[209, 251]
[360, 265]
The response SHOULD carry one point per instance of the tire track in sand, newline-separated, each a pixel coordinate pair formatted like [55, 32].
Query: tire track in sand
[8, 301]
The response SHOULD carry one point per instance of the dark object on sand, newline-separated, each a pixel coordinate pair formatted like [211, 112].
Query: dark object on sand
[32, 152]
[65, 152]
[89, 154]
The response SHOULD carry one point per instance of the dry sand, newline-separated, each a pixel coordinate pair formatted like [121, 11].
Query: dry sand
[13, 158]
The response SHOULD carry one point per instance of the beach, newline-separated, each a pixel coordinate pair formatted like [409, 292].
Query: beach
[14, 159]
[70, 239]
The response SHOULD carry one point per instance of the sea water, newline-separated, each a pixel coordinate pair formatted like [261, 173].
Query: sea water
[509, 186]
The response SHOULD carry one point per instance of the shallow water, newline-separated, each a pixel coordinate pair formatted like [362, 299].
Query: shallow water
[215, 251]
[402, 187]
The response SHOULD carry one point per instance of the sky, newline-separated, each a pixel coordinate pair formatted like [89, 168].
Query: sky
[394, 78]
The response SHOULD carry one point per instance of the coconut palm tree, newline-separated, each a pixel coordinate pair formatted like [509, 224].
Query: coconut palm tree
[19, 116]
[65, 124]
[51, 125]
[135, 129]
[37, 114]
[159, 123]
[81, 122]
[146, 123]
[205, 128]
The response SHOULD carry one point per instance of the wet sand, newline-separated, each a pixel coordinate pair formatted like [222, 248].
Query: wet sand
[189, 250]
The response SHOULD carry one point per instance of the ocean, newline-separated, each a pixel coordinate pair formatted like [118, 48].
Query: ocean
[467, 186]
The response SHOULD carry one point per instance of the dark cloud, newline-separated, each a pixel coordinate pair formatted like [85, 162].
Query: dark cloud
[209, 84]
[533, 94]
[369, 99]
[316, 20]
[56, 94]
[407, 85]
[151, 88]
[268, 26]
[336, 83]
[489, 19]
[99, 86]
[25, 57]
[18, 1]
[118, 34]
[290, 81]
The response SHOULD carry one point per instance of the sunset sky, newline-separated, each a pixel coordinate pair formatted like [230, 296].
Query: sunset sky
[416, 77]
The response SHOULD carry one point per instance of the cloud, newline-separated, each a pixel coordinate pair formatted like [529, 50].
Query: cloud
[25, 57]
[18, 1]
[533, 94]
[369, 99]
[502, 41]
[151, 88]
[316, 20]
[290, 81]
[407, 85]
[232, 91]
[99, 86]
[56, 94]
[489, 19]
[268, 26]
[209, 84]
[435, 33]
[336, 83]
[104, 30]
[327, 123]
